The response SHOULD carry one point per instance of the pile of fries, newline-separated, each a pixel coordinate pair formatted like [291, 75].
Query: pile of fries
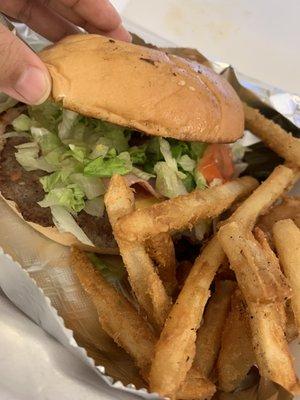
[211, 334]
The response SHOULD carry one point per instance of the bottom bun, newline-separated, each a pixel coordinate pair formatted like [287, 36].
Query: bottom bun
[63, 238]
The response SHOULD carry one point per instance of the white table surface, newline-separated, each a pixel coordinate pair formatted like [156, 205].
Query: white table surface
[257, 37]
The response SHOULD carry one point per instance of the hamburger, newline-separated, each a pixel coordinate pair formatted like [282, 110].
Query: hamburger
[161, 121]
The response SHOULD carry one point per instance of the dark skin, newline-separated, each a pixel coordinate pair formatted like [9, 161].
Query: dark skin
[22, 74]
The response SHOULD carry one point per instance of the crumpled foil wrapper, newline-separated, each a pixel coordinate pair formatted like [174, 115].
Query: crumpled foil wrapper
[36, 275]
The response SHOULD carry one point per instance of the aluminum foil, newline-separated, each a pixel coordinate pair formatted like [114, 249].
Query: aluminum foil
[36, 275]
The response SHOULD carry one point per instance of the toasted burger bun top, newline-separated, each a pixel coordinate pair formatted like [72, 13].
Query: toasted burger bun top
[142, 88]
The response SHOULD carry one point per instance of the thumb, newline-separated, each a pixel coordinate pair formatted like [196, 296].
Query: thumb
[22, 74]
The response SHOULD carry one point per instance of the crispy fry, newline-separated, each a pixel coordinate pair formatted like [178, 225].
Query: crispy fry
[271, 258]
[143, 278]
[261, 238]
[117, 316]
[196, 387]
[209, 334]
[270, 346]
[183, 211]
[172, 357]
[175, 349]
[236, 356]
[291, 330]
[288, 209]
[287, 242]
[167, 373]
[258, 276]
[145, 282]
[121, 321]
[275, 137]
[264, 196]
[161, 250]
[259, 281]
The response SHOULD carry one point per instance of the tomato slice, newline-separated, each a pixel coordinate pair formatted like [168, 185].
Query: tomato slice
[216, 163]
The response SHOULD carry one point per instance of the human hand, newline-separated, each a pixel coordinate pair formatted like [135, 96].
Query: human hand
[22, 74]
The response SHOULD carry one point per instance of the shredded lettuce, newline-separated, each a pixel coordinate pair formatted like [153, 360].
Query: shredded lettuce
[112, 272]
[91, 186]
[138, 155]
[47, 115]
[47, 140]
[30, 147]
[106, 168]
[198, 149]
[238, 151]
[64, 222]
[69, 119]
[165, 149]
[142, 174]
[28, 156]
[100, 150]
[55, 157]
[189, 182]
[22, 123]
[52, 181]
[186, 163]
[116, 137]
[95, 206]
[167, 181]
[200, 180]
[77, 152]
[12, 134]
[179, 149]
[71, 197]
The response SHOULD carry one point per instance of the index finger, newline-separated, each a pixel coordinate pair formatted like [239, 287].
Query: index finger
[99, 13]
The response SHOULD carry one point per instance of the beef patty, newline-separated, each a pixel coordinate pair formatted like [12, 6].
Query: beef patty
[25, 190]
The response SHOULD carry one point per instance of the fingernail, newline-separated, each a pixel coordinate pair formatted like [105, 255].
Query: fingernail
[120, 33]
[126, 36]
[33, 85]
[129, 37]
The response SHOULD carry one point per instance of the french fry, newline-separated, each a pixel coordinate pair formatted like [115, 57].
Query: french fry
[270, 346]
[196, 387]
[264, 196]
[291, 330]
[271, 258]
[236, 356]
[125, 325]
[145, 282]
[288, 209]
[176, 346]
[258, 275]
[255, 279]
[287, 242]
[161, 250]
[261, 238]
[163, 217]
[182, 212]
[210, 332]
[275, 137]
[175, 350]
[117, 316]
